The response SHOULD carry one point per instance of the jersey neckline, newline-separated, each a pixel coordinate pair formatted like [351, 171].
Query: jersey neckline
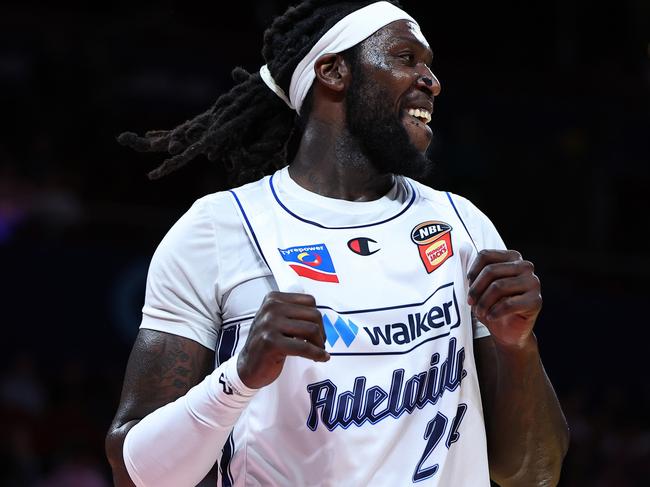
[293, 198]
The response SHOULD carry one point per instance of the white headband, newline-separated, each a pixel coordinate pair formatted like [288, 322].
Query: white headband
[347, 32]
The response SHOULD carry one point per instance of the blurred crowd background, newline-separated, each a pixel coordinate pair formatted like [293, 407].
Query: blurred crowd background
[542, 122]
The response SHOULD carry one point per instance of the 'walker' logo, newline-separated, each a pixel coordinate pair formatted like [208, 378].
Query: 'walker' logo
[439, 318]
[409, 325]
[346, 330]
[311, 261]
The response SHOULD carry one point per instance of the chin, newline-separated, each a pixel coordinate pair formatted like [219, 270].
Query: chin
[420, 145]
[420, 139]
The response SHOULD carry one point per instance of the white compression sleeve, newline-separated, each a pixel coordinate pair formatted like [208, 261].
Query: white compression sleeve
[178, 444]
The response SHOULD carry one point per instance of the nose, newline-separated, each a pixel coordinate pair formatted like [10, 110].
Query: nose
[428, 81]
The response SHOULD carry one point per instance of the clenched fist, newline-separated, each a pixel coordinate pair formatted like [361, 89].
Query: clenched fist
[505, 295]
[286, 324]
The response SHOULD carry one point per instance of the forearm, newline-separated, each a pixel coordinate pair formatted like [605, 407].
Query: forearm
[189, 433]
[527, 432]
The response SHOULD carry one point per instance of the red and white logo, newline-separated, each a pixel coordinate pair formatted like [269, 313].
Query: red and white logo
[363, 246]
[433, 239]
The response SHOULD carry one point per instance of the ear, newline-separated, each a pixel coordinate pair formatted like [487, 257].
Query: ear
[332, 71]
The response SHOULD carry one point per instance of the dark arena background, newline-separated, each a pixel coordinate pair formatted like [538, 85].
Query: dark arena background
[543, 122]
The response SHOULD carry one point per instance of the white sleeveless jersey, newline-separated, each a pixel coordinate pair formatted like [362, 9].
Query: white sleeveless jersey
[398, 403]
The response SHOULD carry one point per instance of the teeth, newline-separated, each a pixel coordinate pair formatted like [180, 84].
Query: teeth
[420, 113]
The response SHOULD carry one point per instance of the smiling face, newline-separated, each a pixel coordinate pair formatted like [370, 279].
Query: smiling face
[390, 99]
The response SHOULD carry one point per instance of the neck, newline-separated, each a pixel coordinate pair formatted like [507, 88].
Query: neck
[330, 162]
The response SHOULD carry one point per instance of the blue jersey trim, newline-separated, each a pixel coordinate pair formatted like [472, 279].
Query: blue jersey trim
[228, 450]
[388, 307]
[401, 352]
[239, 319]
[226, 349]
[340, 228]
[228, 340]
[250, 227]
[461, 220]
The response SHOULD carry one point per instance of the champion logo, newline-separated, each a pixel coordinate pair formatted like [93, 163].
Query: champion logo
[361, 246]
[346, 330]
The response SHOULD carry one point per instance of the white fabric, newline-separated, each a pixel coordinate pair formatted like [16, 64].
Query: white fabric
[206, 271]
[275, 88]
[395, 333]
[188, 432]
[207, 265]
[347, 32]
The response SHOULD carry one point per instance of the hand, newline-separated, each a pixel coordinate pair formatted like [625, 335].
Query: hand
[286, 324]
[505, 295]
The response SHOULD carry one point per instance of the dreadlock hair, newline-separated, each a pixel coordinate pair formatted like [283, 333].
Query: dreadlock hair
[249, 128]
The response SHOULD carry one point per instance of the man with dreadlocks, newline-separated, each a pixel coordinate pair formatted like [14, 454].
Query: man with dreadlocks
[333, 322]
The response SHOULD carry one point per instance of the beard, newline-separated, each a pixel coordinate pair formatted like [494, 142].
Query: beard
[379, 132]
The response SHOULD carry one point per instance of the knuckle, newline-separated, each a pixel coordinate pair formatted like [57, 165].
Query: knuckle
[266, 338]
[273, 296]
[508, 304]
[528, 265]
[270, 301]
[273, 307]
[263, 318]
[498, 285]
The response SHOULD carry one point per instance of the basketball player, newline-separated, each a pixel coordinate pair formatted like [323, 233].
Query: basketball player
[333, 322]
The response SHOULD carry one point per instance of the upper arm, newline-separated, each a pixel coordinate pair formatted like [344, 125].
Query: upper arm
[161, 368]
[181, 317]
[182, 291]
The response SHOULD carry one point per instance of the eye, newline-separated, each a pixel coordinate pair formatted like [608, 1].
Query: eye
[409, 57]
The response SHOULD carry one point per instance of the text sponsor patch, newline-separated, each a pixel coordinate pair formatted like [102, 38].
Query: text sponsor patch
[395, 329]
[311, 261]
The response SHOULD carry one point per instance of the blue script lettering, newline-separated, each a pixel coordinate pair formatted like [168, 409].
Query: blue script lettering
[374, 404]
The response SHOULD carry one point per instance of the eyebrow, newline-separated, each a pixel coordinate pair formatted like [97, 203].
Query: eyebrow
[413, 40]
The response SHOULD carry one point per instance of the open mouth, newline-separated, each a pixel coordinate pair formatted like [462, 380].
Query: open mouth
[421, 114]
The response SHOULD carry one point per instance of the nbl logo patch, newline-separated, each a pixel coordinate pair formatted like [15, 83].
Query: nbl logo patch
[433, 239]
[311, 261]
